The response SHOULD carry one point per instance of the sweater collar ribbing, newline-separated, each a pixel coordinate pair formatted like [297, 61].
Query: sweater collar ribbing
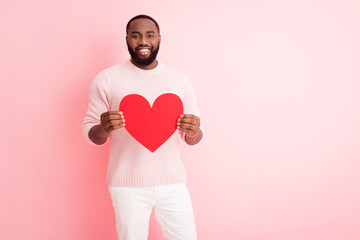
[142, 71]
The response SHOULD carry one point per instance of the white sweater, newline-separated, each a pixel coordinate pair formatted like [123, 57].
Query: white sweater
[130, 163]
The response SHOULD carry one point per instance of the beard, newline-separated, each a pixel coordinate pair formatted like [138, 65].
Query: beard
[144, 61]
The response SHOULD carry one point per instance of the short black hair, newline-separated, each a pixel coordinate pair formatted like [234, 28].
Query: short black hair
[142, 16]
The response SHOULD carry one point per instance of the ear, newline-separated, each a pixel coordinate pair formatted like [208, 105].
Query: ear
[159, 39]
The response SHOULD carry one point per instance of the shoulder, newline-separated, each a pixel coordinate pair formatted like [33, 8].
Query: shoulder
[169, 68]
[101, 78]
[173, 72]
[110, 73]
[117, 68]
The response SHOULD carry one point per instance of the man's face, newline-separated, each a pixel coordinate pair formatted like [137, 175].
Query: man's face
[143, 41]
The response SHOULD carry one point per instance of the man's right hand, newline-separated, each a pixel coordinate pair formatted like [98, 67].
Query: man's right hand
[112, 120]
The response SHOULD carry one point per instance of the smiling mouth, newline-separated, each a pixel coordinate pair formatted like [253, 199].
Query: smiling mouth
[143, 51]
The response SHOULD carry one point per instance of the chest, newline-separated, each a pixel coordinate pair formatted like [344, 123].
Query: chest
[148, 87]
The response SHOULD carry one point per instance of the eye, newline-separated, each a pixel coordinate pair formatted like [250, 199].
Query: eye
[135, 36]
[150, 36]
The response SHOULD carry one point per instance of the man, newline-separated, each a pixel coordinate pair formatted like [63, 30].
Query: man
[142, 174]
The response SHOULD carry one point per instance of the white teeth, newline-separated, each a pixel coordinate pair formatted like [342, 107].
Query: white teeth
[144, 51]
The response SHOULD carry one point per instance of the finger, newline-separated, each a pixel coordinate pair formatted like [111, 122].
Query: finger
[118, 126]
[107, 126]
[187, 127]
[189, 120]
[114, 122]
[117, 122]
[188, 132]
[112, 117]
[111, 113]
[115, 116]
[189, 116]
[114, 112]
[107, 120]
[194, 122]
[110, 127]
[104, 114]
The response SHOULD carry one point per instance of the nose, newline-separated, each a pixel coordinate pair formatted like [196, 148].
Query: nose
[142, 41]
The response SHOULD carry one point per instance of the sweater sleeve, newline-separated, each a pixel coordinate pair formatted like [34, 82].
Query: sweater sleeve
[189, 102]
[98, 104]
[190, 99]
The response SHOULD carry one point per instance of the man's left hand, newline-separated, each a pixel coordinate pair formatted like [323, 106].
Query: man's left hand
[189, 124]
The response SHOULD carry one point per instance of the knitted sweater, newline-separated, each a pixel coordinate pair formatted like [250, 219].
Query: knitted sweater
[130, 163]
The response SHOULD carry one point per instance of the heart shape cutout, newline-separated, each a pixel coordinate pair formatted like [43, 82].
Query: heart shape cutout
[151, 126]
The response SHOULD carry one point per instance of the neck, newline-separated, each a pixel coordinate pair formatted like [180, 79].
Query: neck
[146, 67]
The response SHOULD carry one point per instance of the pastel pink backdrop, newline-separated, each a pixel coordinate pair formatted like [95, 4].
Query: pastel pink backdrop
[278, 86]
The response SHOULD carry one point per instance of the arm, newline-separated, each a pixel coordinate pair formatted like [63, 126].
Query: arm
[194, 139]
[110, 121]
[190, 124]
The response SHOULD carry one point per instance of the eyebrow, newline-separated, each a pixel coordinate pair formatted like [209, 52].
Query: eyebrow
[140, 33]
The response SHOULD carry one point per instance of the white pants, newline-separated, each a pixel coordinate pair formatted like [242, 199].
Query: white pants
[172, 205]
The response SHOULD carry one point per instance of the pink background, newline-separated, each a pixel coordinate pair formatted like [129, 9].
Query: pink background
[278, 86]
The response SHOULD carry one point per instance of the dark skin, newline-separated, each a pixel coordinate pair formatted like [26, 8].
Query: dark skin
[143, 32]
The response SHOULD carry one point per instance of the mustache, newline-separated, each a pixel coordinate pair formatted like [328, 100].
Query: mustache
[143, 46]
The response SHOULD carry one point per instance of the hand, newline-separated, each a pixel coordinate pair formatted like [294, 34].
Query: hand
[112, 120]
[189, 124]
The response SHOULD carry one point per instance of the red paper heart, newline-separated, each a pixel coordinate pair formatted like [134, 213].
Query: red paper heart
[151, 126]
